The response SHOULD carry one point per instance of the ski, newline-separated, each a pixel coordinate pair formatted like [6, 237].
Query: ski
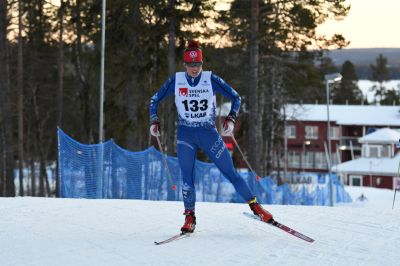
[282, 227]
[173, 238]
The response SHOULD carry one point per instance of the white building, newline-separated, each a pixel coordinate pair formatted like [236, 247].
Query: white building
[379, 163]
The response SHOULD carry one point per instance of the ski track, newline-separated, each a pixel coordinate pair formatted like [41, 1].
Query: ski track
[42, 231]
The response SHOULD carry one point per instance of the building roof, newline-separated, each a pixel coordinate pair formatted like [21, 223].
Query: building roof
[373, 115]
[367, 166]
[381, 136]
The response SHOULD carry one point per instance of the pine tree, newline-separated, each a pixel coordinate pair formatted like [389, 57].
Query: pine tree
[347, 92]
[380, 74]
[283, 29]
[391, 97]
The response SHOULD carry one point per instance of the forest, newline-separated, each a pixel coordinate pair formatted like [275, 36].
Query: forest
[267, 50]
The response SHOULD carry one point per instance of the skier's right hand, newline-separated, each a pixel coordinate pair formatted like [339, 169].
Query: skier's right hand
[228, 126]
[155, 128]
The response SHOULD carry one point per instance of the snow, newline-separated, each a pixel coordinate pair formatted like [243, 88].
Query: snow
[388, 166]
[374, 115]
[375, 166]
[366, 85]
[48, 231]
[381, 136]
[362, 115]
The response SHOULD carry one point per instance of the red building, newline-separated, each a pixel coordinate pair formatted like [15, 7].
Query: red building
[307, 141]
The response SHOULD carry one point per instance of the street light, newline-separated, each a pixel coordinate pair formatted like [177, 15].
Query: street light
[330, 79]
[99, 191]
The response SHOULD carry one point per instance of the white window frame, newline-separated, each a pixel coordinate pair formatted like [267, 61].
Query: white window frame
[373, 148]
[308, 160]
[291, 131]
[334, 132]
[386, 149]
[380, 149]
[320, 160]
[352, 177]
[294, 159]
[311, 132]
[396, 182]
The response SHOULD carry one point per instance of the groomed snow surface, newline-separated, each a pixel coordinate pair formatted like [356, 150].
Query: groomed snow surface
[48, 231]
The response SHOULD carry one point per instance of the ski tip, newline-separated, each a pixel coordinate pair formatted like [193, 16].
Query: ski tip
[308, 239]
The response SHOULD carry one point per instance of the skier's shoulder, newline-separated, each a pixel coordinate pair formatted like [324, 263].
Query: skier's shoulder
[217, 79]
[171, 78]
[170, 82]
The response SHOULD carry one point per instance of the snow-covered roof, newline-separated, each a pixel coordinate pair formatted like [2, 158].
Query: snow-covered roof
[373, 166]
[346, 114]
[381, 136]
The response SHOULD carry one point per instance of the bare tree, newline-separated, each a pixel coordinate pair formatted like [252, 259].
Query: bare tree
[40, 121]
[20, 80]
[5, 108]
[253, 101]
[170, 139]
[83, 77]
[60, 96]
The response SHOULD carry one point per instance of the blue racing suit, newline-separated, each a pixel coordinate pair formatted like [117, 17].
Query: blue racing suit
[194, 135]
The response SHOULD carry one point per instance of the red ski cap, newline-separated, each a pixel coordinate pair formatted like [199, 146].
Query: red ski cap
[193, 54]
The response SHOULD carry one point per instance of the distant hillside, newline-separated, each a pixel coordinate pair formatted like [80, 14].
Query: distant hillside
[365, 56]
[362, 58]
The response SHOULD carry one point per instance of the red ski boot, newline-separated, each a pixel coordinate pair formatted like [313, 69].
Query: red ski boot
[190, 222]
[258, 210]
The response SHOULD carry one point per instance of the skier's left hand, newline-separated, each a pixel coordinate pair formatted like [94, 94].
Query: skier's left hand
[228, 126]
[155, 128]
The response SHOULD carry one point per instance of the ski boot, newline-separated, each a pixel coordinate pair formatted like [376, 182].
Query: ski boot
[190, 222]
[258, 210]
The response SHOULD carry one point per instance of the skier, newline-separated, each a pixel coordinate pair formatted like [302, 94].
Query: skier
[362, 198]
[194, 92]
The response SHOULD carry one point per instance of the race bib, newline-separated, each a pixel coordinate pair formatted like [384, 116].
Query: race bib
[194, 104]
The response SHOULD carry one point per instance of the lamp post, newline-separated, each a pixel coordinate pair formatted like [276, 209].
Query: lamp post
[330, 79]
[101, 112]
[99, 187]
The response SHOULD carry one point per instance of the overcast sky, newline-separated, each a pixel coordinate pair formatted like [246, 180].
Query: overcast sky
[370, 23]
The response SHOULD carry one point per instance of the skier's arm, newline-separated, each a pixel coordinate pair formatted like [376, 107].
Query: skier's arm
[220, 86]
[166, 89]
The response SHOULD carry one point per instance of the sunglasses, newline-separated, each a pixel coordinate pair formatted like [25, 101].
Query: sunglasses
[194, 64]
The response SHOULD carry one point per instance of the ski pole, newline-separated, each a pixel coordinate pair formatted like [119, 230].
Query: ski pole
[173, 187]
[244, 158]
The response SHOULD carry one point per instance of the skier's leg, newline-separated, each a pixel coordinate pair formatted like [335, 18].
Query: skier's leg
[187, 157]
[213, 145]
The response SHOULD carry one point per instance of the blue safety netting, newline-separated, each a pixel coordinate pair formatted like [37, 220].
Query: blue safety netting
[107, 171]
